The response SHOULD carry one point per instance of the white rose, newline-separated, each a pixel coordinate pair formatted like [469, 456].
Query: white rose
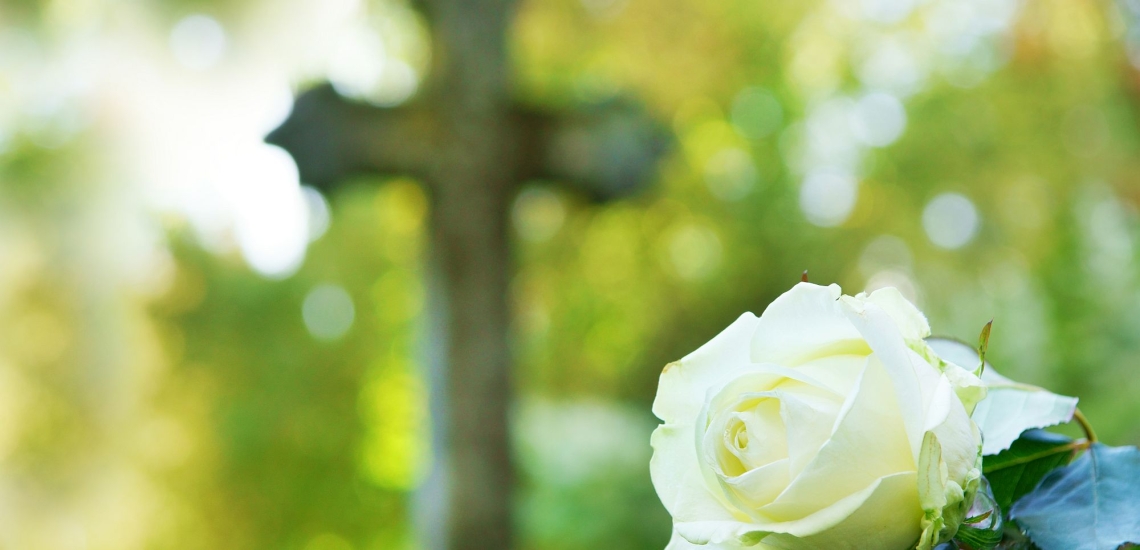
[825, 423]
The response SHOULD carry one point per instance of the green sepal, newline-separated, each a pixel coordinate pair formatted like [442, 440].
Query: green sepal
[945, 502]
[983, 347]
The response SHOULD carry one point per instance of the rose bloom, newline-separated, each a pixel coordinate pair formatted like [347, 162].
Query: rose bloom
[825, 423]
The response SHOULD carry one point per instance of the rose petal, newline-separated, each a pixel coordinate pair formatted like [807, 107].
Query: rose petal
[809, 421]
[805, 323]
[938, 407]
[760, 419]
[958, 436]
[869, 442]
[910, 321]
[683, 385]
[887, 518]
[764, 381]
[758, 487]
[677, 542]
[913, 378]
[759, 379]
[884, 514]
[837, 372]
[677, 477]
[767, 437]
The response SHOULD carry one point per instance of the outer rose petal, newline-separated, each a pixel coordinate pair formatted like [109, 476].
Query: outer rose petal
[914, 379]
[870, 518]
[961, 362]
[683, 385]
[884, 520]
[958, 436]
[805, 323]
[910, 321]
[677, 542]
[677, 476]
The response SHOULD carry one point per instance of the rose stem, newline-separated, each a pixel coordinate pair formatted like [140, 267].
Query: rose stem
[1084, 422]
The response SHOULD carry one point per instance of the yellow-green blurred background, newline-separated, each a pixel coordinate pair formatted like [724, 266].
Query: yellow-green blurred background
[198, 352]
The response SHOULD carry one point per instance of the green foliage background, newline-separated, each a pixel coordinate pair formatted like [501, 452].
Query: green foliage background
[189, 407]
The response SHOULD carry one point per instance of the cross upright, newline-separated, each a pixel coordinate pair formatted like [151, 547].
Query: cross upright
[471, 144]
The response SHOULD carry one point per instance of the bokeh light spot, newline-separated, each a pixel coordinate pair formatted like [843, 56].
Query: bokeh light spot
[756, 113]
[357, 63]
[320, 215]
[400, 83]
[361, 67]
[830, 143]
[730, 174]
[270, 210]
[885, 252]
[694, 251]
[885, 11]
[403, 207]
[538, 214]
[397, 452]
[891, 64]
[827, 198]
[328, 312]
[198, 42]
[878, 119]
[950, 220]
[897, 280]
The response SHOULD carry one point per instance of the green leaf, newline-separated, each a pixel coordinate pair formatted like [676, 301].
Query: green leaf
[1016, 471]
[978, 539]
[1009, 408]
[1091, 504]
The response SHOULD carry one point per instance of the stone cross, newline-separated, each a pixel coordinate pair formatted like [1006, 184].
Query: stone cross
[471, 145]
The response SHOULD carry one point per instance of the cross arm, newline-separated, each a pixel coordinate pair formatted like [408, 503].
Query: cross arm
[605, 151]
[332, 138]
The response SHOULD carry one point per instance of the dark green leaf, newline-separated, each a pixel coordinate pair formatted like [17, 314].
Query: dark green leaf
[978, 539]
[1016, 471]
[1092, 504]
